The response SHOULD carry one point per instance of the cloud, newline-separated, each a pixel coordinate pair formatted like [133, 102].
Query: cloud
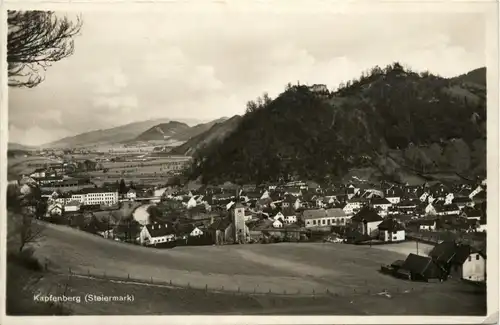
[136, 66]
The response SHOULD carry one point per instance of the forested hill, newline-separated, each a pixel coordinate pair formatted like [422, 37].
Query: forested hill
[387, 119]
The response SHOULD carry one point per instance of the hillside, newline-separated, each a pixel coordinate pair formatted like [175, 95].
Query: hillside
[118, 134]
[18, 147]
[112, 135]
[163, 131]
[211, 137]
[393, 120]
[197, 129]
[477, 76]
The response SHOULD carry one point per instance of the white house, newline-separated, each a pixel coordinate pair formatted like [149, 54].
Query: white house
[475, 191]
[393, 199]
[462, 261]
[448, 199]
[337, 216]
[191, 203]
[290, 218]
[62, 199]
[296, 204]
[55, 209]
[196, 232]
[367, 221]
[131, 194]
[381, 204]
[315, 218]
[481, 227]
[72, 206]
[155, 234]
[278, 223]
[351, 206]
[474, 267]
[390, 230]
[38, 173]
[430, 210]
[429, 225]
[265, 195]
[279, 215]
[424, 196]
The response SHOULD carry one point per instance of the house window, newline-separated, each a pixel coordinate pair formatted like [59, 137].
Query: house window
[323, 222]
[470, 258]
[394, 237]
[329, 221]
[314, 222]
[477, 257]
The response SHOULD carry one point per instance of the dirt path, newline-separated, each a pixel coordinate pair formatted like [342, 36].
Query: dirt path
[141, 214]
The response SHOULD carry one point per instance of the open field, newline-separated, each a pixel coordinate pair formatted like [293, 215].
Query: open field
[343, 270]
[20, 165]
[405, 248]
[159, 300]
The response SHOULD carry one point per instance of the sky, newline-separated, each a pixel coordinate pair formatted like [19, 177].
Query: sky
[131, 66]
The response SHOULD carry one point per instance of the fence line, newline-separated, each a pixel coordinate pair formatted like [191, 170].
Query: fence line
[255, 291]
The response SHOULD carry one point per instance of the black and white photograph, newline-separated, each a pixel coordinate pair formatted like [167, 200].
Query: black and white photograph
[224, 161]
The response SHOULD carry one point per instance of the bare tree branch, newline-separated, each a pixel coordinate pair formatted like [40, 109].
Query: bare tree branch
[35, 40]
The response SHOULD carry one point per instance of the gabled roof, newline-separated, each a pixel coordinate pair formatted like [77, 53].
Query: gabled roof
[160, 230]
[377, 200]
[73, 203]
[335, 213]
[427, 222]
[290, 199]
[450, 252]
[422, 265]
[314, 214]
[366, 214]
[443, 252]
[185, 229]
[390, 225]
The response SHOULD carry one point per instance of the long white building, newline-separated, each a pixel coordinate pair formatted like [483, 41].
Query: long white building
[94, 196]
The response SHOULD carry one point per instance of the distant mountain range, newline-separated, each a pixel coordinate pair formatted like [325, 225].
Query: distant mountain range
[393, 121]
[129, 133]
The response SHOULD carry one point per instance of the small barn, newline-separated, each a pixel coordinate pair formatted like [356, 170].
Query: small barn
[420, 268]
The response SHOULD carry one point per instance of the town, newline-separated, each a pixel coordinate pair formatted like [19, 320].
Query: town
[357, 212]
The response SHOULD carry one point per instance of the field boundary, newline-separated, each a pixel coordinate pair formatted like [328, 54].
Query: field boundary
[175, 284]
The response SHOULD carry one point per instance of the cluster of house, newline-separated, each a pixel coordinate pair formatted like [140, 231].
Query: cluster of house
[378, 212]
[446, 260]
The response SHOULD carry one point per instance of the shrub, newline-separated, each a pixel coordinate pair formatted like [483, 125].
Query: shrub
[26, 259]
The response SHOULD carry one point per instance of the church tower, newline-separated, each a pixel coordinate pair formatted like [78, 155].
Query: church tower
[238, 219]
